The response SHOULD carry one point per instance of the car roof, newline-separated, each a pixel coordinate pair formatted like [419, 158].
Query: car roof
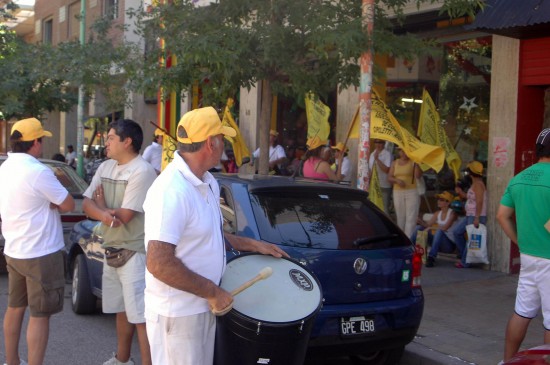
[46, 160]
[256, 182]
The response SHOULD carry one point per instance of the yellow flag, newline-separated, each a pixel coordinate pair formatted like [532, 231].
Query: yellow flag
[431, 132]
[375, 192]
[385, 126]
[169, 146]
[239, 146]
[317, 118]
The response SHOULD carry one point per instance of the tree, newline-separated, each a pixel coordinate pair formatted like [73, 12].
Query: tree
[291, 47]
[27, 85]
[36, 78]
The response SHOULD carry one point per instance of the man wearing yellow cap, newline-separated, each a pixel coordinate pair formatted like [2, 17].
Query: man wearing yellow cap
[185, 246]
[31, 199]
[153, 152]
[277, 154]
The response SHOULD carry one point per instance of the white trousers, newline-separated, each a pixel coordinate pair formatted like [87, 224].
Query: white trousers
[406, 204]
[181, 340]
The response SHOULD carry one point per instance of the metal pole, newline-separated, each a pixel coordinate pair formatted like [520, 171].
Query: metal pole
[80, 108]
[365, 98]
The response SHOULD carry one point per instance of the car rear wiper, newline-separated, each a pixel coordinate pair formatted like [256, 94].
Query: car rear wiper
[366, 240]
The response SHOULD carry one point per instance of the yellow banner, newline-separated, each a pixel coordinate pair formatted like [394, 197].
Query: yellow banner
[431, 132]
[375, 192]
[317, 118]
[240, 149]
[385, 126]
[169, 146]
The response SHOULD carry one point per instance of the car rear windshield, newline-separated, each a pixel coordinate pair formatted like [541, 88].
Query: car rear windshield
[339, 220]
[68, 177]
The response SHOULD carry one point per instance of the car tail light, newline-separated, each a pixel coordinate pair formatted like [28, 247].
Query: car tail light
[417, 267]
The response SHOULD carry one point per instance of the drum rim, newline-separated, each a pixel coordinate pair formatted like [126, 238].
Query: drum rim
[296, 262]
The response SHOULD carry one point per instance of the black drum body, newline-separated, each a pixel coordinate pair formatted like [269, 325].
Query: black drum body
[271, 321]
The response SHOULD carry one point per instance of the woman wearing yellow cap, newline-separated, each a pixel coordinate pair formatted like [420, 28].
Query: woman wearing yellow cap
[475, 207]
[444, 219]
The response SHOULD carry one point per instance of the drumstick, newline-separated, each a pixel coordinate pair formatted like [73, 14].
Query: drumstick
[263, 274]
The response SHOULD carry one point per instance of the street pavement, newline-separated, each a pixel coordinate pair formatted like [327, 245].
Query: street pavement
[464, 321]
[465, 316]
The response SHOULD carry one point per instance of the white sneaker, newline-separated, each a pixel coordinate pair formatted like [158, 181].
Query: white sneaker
[113, 361]
[21, 362]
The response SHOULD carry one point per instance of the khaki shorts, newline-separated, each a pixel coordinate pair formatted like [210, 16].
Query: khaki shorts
[123, 288]
[38, 283]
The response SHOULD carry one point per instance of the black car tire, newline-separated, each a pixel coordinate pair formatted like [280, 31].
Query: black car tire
[383, 357]
[82, 299]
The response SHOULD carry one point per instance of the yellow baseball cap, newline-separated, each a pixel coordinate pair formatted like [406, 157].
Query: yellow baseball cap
[476, 167]
[339, 146]
[273, 133]
[199, 124]
[446, 195]
[159, 132]
[31, 129]
[315, 142]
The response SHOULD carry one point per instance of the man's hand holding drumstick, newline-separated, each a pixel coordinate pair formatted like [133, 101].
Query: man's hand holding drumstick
[263, 274]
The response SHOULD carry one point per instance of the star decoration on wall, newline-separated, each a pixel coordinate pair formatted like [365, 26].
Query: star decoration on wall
[468, 104]
[468, 131]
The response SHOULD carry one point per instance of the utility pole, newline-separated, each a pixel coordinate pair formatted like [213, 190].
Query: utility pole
[80, 107]
[365, 98]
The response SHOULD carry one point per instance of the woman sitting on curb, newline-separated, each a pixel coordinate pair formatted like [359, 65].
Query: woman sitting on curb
[442, 239]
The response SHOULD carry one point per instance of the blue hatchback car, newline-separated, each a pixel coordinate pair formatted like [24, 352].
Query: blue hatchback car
[368, 269]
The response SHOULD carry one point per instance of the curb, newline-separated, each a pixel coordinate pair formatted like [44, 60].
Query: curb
[417, 354]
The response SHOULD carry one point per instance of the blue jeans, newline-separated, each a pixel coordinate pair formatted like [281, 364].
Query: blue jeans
[460, 230]
[441, 243]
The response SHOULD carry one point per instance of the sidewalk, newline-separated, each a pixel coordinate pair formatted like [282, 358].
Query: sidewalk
[465, 316]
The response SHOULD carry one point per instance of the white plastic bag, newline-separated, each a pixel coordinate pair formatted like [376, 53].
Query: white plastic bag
[477, 244]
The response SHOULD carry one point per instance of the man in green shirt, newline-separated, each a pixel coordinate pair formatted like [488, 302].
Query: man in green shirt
[524, 215]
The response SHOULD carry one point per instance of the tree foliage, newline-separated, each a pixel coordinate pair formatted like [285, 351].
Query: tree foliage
[28, 87]
[38, 77]
[299, 46]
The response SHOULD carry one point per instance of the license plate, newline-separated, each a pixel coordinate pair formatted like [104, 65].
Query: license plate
[352, 326]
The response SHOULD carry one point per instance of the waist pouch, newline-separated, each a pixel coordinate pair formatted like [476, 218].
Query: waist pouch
[117, 257]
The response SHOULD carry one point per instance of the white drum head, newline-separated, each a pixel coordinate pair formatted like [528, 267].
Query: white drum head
[289, 294]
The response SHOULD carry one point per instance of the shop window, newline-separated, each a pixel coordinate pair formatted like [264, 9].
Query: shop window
[459, 83]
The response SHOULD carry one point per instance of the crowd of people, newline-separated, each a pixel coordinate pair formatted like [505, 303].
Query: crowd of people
[161, 277]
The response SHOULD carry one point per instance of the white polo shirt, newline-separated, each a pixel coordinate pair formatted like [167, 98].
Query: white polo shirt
[386, 158]
[182, 210]
[27, 188]
[153, 155]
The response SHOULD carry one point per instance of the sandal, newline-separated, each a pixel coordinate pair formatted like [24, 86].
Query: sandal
[459, 265]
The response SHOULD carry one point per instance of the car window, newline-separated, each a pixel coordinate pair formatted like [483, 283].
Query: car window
[226, 205]
[68, 177]
[327, 220]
